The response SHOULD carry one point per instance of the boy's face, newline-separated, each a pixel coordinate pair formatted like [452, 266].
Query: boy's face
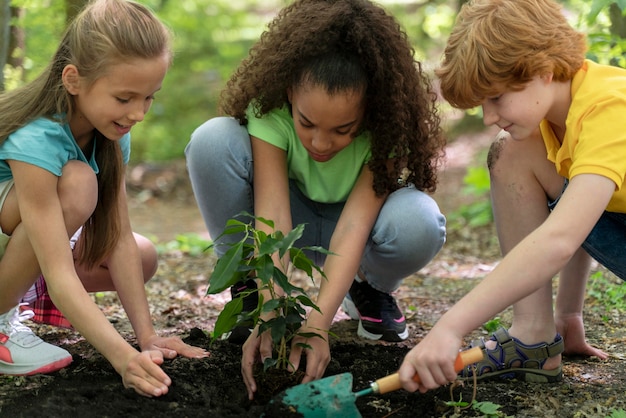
[520, 112]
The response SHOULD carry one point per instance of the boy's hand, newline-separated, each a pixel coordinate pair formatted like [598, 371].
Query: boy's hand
[433, 360]
[143, 374]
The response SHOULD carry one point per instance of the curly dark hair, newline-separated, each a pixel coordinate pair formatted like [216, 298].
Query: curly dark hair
[400, 105]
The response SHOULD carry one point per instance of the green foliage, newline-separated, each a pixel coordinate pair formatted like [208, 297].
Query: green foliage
[191, 244]
[487, 409]
[604, 22]
[210, 39]
[617, 413]
[213, 36]
[478, 213]
[283, 313]
[492, 325]
[608, 295]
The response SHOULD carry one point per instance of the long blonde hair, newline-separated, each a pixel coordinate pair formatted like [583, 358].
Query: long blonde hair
[104, 33]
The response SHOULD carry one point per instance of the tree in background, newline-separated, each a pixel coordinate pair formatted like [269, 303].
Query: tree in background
[212, 36]
[5, 30]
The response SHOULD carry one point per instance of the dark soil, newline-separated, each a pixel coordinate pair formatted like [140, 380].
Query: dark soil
[213, 387]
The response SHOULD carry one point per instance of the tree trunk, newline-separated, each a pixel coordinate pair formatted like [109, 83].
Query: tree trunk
[618, 21]
[5, 30]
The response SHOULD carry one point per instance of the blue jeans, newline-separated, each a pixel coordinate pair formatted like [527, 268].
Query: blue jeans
[606, 242]
[408, 233]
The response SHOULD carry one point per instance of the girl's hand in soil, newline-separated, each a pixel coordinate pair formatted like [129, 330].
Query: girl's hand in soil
[143, 374]
[318, 356]
[432, 359]
[170, 347]
[572, 329]
[254, 349]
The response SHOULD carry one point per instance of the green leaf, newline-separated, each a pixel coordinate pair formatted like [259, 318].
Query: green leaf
[306, 301]
[271, 305]
[227, 319]
[310, 335]
[487, 408]
[233, 226]
[281, 280]
[264, 268]
[269, 363]
[301, 261]
[268, 245]
[279, 328]
[288, 242]
[226, 272]
[267, 222]
[293, 318]
[304, 346]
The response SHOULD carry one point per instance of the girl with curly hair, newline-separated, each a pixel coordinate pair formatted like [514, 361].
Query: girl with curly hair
[332, 123]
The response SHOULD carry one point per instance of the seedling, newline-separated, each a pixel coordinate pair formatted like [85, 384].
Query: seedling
[284, 312]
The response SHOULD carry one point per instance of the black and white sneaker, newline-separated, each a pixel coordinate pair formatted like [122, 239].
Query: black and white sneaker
[378, 313]
[240, 333]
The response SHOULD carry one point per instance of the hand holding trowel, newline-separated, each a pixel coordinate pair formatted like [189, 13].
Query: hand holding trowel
[332, 396]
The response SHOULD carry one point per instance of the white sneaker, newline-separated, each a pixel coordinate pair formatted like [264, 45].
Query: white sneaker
[22, 352]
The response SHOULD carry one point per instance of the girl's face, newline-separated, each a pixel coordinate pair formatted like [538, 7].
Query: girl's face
[116, 101]
[520, 112]
[325, 123]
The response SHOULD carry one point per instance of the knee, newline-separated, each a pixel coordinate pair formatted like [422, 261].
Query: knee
[417, 218]
[499, 154]
[430, 225]
[78, 192]
[210, 141]
[149, 257]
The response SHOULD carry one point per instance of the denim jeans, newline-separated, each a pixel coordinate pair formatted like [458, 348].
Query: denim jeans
[408, 233]
[606, 242]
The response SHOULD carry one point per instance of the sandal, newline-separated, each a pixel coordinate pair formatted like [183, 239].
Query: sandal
[512, 359]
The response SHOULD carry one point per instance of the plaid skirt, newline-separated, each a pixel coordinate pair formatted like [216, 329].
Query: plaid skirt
[39, 301]
[45, 311]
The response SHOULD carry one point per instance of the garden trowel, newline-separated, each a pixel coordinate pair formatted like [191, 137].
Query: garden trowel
[332, 396]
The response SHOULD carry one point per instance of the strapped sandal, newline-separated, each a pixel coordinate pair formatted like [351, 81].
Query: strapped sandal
[512, 359]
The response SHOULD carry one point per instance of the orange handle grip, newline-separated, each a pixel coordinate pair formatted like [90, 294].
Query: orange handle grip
[392, 382]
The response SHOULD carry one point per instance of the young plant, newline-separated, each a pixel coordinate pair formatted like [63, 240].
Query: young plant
[251, 257]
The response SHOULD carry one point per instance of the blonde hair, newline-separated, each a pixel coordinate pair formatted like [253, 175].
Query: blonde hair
[104, 33]
[503, 44]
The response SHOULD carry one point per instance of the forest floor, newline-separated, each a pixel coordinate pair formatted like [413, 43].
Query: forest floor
[163, 209]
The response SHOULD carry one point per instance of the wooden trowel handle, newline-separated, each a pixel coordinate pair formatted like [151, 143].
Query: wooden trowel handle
[392, 382]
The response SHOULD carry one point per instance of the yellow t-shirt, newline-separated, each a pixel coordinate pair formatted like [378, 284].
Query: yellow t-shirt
[595, 136]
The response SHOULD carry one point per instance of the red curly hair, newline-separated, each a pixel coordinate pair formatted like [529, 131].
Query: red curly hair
[498, 44]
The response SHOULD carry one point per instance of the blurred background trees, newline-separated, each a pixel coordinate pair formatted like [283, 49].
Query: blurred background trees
[212, 36]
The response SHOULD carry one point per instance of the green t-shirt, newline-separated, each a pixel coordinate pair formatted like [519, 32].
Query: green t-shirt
[327, 182]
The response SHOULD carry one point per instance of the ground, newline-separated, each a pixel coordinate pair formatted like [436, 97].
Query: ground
[161, 207]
